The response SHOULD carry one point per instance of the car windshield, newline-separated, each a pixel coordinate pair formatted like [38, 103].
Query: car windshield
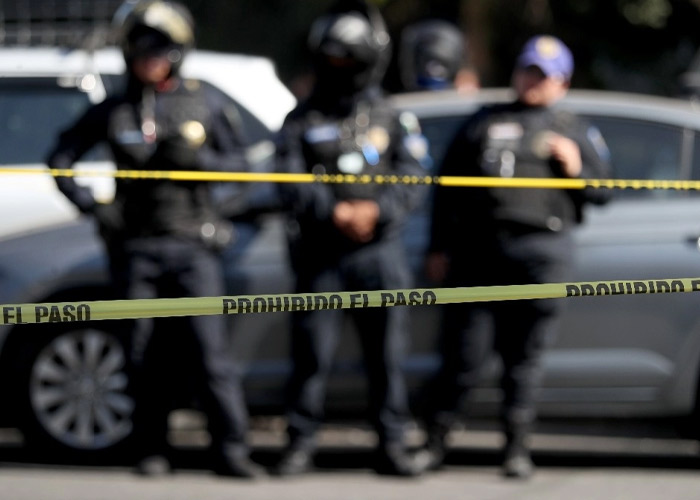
[33, 111]
[32, 114]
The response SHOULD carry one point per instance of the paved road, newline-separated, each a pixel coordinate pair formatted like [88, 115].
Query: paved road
[569, 468]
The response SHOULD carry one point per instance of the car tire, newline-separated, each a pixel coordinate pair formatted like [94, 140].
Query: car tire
[74, 390]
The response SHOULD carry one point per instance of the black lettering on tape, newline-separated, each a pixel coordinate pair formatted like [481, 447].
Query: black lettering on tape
[83, 312]
[321, 303]
[12, 315]
[259, 305]
[229, 306]
[336, 301]
[66, 313]
[41, 312]
[244, 306]
[387, 299]
[355, 300]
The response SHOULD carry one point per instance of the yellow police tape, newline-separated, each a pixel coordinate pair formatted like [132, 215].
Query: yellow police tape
[155, 308]
[453, 181]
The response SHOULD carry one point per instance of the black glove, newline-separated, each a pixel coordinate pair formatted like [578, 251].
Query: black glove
[110, 220]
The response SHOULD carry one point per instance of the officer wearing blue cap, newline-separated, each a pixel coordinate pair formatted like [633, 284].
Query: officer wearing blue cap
[549, 55]
[506, 236]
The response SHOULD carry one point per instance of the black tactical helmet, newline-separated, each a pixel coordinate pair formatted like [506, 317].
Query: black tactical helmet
[353, 33]
[431, 54]
[155, 27]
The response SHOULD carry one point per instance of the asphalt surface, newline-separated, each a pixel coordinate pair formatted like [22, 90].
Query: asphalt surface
[569, 467]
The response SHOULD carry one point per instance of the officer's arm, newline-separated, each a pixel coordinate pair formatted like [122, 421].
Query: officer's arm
[459, 157]
[70, 147]
[315, 199]
[397, 200]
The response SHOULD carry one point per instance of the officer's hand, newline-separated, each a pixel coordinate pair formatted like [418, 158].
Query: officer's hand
[109, 219]
[364, 220]
[567, 153]
[343, 213]
[436, 266]
[356, 219]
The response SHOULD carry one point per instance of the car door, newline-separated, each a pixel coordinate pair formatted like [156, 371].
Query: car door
[633, 354]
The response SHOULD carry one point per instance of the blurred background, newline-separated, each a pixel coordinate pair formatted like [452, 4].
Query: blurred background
[644, 46]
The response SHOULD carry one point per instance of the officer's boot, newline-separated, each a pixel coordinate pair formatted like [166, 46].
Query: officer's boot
[394, 459]
[153, 465]
[432, 455]
[297, 458]
[516, 460]
[233, 460]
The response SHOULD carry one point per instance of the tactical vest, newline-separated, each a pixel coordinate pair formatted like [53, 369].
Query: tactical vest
[358, 144]
[512, 144]
[147, 135]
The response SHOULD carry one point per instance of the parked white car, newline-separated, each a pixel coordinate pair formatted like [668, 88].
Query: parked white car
[44, 89]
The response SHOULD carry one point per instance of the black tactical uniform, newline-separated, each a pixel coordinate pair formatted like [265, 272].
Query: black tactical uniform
[162, 236]
[346, 127]
[506, 236]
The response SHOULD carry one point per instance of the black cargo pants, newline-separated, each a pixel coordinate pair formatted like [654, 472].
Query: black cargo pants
[172, 356]
[383, 336]
[518, 331]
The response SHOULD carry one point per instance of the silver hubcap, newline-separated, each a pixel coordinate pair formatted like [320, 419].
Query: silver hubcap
[78, 387]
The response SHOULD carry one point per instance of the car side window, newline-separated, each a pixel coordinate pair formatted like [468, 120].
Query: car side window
[32, 114]
[440, 132]
[695, 168]
[642, 150]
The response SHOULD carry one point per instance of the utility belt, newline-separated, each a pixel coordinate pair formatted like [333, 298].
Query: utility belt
[215, 235]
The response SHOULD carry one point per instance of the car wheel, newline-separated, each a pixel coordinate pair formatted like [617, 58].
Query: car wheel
[76, 388]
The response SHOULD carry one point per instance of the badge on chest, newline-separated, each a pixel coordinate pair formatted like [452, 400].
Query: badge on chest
[345, 152]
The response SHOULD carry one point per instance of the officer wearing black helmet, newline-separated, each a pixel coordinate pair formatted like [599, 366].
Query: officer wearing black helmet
[163, 236]
[433, 56]
[347, 236]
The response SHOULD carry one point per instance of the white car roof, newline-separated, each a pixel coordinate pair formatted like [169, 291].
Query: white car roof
[251, 80]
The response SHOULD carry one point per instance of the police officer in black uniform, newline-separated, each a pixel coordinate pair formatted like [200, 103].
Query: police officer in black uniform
[508, 236]
[433, 56]
[347, 236]
[163, 236]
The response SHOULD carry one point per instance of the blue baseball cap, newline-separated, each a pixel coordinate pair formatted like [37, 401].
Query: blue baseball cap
[549, 54]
